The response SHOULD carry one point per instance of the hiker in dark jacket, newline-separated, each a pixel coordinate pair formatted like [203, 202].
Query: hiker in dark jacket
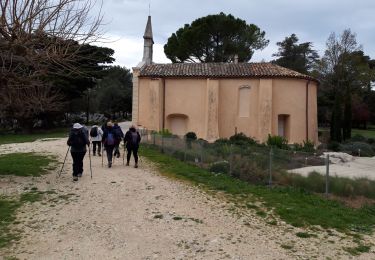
[120, 136]
[132, 140]
[109, 141]
[78, 139]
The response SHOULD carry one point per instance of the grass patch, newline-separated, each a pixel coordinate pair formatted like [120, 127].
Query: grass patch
[365, 133]
[305, 235]
[23, 138]
[8, 208]
[25, 164]
[295, 206]
[361, 248]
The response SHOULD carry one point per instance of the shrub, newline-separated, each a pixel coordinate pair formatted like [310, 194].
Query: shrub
[358, 148]
[220, 167]
[358, 138]
[306, 146]
[165, 133]
[333, 146]
[241, 139]
[190, 136]
[277, 141]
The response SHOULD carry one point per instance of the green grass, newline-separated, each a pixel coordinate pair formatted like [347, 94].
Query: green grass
[22, 138]
[25, 164]
[295, 206]
[365, 133]
[8, 208]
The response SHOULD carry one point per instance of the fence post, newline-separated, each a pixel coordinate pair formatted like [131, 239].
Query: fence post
[270, 169]
[185, 148]
[327, 174]
[153, 135]
[231, 159]
[201, 146]
[162, 143]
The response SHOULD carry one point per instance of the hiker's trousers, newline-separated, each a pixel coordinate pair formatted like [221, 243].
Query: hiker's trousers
[94, 144]
[78, 162]
[135, 154]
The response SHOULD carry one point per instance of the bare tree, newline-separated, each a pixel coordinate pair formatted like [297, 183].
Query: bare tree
[40, 39]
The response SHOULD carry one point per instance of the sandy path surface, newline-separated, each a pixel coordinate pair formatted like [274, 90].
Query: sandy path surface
[128, 213]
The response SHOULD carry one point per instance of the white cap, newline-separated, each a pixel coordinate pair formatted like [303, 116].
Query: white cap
[77, 126]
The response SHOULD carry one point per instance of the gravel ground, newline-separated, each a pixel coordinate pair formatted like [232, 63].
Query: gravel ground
[128, 213]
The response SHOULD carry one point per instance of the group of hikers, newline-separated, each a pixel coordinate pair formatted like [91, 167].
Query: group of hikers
[107, 138]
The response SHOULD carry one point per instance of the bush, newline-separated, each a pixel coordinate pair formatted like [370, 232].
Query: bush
[333, 146]
[358, 148]
[220, 167]
[277, 141]
[241, 139]
[306, 146]
[358, 138]
[165, 133]
[190, 136]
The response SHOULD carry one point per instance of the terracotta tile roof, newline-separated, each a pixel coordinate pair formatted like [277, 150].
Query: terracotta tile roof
[221, 70]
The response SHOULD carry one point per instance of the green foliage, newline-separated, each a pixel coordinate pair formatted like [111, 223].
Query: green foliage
[220, 167]
[242, 139]
[22, 138]
[190, 136]
[358, 148]
[164, 133]
[306, 146]
[315, 182]
[358, 138]
[211, 39]
[8, 209]
[24, 164]
[277, 141]
[299, 57]
[294, 206]
[334, 146]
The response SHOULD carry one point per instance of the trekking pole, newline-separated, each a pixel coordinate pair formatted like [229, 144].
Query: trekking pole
[123, 156]
[90, 160]
[64, 161]
[102, 153]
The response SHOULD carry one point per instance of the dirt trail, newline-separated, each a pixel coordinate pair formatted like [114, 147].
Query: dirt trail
[128, 213]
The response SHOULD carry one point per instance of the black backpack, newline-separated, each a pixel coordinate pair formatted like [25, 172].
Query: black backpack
[94, 131]
[77, 139]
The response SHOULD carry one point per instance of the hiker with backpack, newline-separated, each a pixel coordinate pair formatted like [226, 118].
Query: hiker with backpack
[96, 134]
[110, 138]
[77, 141]
[119, 134]
[132, 140]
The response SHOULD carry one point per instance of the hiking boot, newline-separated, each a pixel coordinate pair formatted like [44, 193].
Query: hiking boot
[127, 164]
[93, 154]
[109, 165]
[75, 178]
[118, 155]
[99, 154]
[79, 175]
[136, 165]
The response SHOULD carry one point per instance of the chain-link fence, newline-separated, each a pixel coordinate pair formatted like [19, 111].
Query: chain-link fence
[261, 165]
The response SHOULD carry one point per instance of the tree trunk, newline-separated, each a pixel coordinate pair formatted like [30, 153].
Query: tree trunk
[336, 134]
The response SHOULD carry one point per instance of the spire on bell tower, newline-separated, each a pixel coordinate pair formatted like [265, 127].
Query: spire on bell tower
[148, 43]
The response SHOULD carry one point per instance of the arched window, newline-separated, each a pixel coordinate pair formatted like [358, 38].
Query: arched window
[244, 101]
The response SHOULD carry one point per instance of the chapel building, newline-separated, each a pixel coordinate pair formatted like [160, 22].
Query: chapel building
[217, 100]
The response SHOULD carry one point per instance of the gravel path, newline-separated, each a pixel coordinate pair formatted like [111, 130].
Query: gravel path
[128, 213]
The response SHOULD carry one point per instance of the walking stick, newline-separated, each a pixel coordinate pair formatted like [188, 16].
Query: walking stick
[64, 161]
[90, 160]
[123, 156]
[102, 153]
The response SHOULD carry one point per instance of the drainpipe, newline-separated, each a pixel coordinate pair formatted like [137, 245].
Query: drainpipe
[163, 115]
[307, 110]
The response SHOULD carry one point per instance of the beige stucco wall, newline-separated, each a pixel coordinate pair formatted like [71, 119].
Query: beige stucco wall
[210, 107]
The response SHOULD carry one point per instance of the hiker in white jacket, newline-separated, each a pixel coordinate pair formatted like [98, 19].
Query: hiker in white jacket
[96, 134]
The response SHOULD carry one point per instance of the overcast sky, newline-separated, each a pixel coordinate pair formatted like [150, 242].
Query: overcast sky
[310, 20]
